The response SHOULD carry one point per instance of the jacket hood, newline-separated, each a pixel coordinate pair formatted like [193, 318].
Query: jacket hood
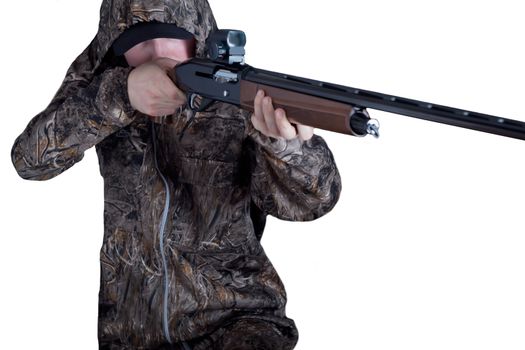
[116, 16]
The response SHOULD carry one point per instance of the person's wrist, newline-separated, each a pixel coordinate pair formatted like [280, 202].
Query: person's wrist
[128, 107]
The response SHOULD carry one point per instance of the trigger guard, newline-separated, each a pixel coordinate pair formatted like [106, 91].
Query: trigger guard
[201, 105]
[191, 102]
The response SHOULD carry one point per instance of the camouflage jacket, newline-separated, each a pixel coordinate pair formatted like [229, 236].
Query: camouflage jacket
[185, 201]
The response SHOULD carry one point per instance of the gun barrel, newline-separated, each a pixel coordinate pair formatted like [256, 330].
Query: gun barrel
[390, 103]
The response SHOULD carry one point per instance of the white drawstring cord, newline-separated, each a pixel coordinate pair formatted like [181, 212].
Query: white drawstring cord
[162, 227]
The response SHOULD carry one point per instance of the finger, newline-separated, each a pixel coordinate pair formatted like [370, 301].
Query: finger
[166, 63]
[305, 132]
[257, 117]
[171, 105]
[180, 96]
[286, 129]
[165, 106]
[170, 90]
[259, 124]
[269, 117]
[161, 109]
[257, 104]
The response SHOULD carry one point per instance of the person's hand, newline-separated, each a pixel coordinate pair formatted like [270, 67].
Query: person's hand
[274, 123]
[151, 91]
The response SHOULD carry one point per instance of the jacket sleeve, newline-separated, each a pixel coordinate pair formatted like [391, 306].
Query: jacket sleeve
[292, 179]
[81, 114]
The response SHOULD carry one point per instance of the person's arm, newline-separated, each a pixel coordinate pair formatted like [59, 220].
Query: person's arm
[291, 179]
[81, 115]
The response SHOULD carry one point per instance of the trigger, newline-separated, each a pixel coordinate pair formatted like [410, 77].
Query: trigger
[198, 103]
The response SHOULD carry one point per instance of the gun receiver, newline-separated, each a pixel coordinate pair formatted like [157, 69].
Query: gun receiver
[225, 77]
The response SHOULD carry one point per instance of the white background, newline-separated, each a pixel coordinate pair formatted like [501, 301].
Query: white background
[425, 249]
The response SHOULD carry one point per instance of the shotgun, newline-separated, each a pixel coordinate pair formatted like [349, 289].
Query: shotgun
[225, 77]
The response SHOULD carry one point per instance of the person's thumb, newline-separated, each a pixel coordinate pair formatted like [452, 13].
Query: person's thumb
[166, 63]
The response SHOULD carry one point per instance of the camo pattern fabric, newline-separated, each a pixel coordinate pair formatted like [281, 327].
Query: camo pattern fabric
[203, 182]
